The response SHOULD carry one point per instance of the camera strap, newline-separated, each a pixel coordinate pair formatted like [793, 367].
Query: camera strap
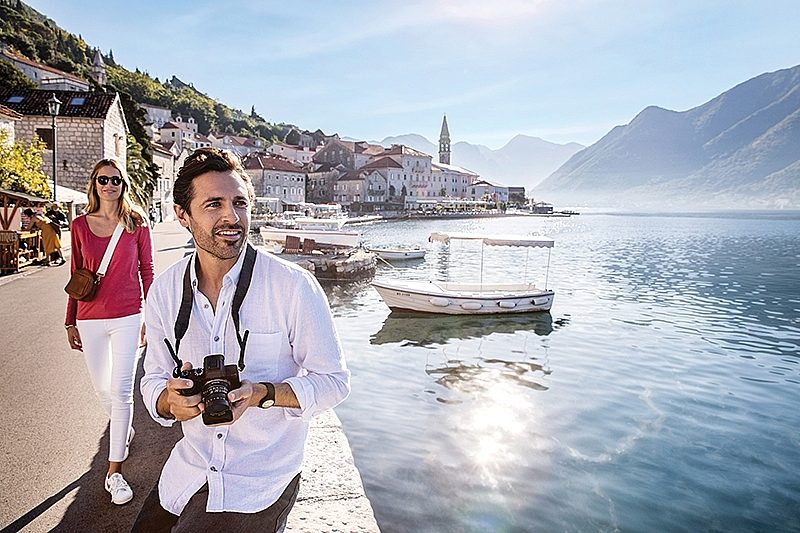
[185, 310]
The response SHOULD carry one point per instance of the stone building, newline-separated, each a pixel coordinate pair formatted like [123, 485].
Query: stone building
[8, 120]
[390, 194]
[320, 182]
[349, 154]
[486, 191]
[90, 126]
[276, 177]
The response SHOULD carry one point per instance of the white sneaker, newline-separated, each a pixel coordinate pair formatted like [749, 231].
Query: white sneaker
[119, 489]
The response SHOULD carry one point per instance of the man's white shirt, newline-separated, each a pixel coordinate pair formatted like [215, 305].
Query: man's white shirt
[292, 339]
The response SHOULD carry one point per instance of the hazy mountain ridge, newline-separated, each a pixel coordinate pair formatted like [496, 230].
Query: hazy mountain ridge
[523, 161]
[740, 149]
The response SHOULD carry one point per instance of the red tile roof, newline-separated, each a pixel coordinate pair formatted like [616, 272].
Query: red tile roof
[10, 113]
[383, 162]
[270, 162]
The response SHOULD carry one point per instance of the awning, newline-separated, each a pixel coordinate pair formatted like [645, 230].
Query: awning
[494, 240]
[22, 196]
[67, 195]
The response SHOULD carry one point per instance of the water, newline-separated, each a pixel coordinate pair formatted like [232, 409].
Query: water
[661, 392]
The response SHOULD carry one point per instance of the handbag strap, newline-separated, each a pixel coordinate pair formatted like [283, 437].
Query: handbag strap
[112, 244]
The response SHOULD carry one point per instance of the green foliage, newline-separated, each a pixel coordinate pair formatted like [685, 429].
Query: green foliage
[142, 173]
[20, 167]
[14, 78]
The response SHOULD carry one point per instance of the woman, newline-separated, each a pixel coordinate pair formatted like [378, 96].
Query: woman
[108, 327]
[50, 238]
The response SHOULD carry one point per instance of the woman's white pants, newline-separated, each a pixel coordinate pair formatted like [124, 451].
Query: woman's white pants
[110, 347]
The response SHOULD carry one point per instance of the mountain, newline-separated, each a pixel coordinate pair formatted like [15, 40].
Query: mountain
[522, 161]
[740, 149]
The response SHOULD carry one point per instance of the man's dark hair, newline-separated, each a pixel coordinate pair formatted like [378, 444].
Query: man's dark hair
[206, 160]
[27, 212]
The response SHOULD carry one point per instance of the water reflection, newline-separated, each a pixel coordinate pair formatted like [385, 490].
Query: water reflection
[424, 330]
[488, 373]
[345, 296]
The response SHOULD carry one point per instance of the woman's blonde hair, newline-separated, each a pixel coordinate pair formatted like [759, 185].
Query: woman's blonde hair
[130, 214]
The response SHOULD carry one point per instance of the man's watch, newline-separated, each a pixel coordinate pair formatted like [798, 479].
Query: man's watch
[268, 400]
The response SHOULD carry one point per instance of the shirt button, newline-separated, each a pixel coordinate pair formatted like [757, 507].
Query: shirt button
[216, 338]
[206, 306]
[219, 435]
[213, 469]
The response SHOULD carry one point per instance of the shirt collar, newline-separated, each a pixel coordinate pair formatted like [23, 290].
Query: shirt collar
[231, 276]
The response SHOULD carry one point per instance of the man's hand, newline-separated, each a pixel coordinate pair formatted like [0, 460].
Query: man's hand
[172, 405]
[242, 398]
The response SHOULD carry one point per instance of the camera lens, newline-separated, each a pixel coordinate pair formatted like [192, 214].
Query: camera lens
[215, 399]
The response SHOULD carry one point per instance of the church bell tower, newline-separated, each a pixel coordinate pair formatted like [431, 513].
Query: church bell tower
[444, 143]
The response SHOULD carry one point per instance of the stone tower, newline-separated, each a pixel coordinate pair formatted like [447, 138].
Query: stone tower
[444, 143]
[99, 69]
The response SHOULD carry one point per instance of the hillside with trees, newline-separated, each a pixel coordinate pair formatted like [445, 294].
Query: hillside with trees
[40, 39]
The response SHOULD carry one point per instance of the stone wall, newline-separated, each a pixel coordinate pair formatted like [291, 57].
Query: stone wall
[81, 143]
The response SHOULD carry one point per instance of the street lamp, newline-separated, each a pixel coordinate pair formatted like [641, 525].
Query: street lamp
[53, 106]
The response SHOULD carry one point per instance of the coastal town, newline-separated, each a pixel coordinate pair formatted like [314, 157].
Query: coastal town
[304, 168]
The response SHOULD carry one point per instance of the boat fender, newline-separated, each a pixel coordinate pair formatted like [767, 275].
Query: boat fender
[471, 306]
[505, 304]
[539, 301]
[439, 302]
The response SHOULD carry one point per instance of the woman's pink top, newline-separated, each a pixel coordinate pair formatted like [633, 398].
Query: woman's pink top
[120, 291]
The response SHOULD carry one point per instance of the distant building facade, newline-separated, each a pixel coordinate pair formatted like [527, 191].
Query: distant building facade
[45, 77]
[276, 177]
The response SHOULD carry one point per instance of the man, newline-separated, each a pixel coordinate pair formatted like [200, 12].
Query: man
[244, 475]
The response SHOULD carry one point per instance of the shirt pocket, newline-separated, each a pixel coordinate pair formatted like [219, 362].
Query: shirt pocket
[263, 353]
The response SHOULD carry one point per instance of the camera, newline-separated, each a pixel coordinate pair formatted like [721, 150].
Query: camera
[214, 381]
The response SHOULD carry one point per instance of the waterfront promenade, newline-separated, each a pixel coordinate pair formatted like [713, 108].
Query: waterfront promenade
[55, 435]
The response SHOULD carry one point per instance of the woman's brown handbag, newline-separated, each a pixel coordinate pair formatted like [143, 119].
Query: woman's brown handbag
[82, 285]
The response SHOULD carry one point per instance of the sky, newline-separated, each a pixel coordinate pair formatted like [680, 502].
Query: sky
[564, 71]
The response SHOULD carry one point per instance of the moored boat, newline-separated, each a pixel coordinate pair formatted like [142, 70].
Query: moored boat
[398, 253]
[445, 297]
[344, 239]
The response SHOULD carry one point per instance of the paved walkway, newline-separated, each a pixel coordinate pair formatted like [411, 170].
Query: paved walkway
[55, 436]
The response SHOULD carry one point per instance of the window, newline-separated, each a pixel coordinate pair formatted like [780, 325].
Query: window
[15, 99]
[46, 135]
[77, 100]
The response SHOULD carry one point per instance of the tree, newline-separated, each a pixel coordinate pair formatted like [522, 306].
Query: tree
[14, 78]
[143, 174]
[21, 167]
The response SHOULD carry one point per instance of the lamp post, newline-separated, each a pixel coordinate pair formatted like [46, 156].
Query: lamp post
[53, 106]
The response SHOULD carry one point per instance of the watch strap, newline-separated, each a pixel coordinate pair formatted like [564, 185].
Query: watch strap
[269, 399]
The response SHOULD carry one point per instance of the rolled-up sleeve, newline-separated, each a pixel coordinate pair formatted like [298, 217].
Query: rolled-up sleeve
[316, 348]
[158, 363]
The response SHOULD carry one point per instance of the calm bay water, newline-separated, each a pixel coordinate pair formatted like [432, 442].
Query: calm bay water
[661, 392]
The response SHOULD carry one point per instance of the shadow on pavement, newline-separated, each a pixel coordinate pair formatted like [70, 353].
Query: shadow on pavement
[92, 509]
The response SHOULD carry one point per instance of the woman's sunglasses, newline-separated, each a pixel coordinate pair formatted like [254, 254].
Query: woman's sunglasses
[115, 180]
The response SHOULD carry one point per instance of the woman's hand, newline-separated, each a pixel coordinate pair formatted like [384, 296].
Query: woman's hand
[74, 338]
[142, 338]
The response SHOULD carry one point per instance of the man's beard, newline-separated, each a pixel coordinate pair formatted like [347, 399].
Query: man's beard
[220, 248]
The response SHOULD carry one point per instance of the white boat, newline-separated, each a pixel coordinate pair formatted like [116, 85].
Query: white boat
[444, 297]
[343, 239]
[398, 253]
[314, 223]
